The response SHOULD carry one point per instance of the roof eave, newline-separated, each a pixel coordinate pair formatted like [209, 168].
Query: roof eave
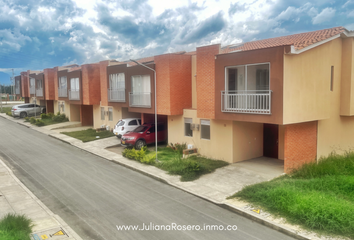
[344, 34]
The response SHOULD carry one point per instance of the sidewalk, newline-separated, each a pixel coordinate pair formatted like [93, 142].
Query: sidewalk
[214, 187]
[16, 198]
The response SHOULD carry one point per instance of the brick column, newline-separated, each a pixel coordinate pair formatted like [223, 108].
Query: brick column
[300, 145]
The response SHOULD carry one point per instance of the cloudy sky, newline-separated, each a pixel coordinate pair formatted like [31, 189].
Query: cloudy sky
[38, 34]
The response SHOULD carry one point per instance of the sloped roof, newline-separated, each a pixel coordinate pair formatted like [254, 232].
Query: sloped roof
[299, 41]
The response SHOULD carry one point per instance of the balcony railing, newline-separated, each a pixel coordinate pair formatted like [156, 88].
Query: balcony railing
[116, 95]
[17, 90]
[39, 92]
[252, 101]
[63, 92]
[140, 99]
[74, 94]
[32, 90]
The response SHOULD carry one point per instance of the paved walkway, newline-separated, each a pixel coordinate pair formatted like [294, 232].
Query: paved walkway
[214, 187]
[16, 198]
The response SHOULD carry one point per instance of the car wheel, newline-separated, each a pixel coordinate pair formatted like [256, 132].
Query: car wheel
[23, 115]
[139, 144]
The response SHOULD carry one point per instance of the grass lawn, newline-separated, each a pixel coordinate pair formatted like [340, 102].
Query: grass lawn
[5, 109]
[15, 227]
[189, 169]
[89, 135]
[319, 197]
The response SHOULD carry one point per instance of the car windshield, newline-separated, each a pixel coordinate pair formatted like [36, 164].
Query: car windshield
[120, 123]
[140, 129]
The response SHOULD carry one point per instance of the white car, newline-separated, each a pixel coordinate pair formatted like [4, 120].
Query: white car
[126, 125]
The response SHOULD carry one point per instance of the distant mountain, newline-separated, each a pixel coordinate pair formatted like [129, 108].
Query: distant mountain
[5, 79]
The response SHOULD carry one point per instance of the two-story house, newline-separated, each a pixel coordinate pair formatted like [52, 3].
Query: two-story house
[287, 98]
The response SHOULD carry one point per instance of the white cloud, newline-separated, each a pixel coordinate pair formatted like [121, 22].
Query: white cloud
[326, 15]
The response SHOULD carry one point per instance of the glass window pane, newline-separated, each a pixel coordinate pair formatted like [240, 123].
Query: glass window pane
[205, 129]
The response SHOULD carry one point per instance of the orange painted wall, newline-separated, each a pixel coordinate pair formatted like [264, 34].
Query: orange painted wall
[104, 83]
[49, 91]
[174, 86]
[24, 84]
[91, 87]
[300, 144]
[56, 83]
[206, 80]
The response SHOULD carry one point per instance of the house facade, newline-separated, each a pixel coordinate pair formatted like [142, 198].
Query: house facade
[288, 98]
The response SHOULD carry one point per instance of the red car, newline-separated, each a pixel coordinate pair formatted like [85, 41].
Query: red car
[143, 135]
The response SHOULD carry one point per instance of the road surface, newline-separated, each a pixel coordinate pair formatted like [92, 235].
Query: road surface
[96, 197]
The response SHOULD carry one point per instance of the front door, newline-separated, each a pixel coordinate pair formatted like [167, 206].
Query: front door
[270, 140]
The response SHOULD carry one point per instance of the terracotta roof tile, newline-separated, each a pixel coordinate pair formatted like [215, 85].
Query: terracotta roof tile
[299, 40]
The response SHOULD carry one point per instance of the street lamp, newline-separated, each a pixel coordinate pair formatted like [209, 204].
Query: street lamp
[155, 103]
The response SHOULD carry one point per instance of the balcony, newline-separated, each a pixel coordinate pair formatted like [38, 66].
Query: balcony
[116, 95]
[63, 92]
[32, 90]
[253, 101]
[140, 99]
[39, 92]
[74, 94]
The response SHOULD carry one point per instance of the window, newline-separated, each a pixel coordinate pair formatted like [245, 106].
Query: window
[39, 84]
[32, 82]
[205, 129]
[74, 84]
[102, 113]
[63, 82]
[63, 106]
[253, 77]
[141, 84]
[110, 114]
[187, 127]
[132, 123]
[332, 75]
[117, 81]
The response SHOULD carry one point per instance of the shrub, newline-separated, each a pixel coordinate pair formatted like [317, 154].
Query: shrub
[32, 120]
[44, 116]
[50, 115]
[9, 114]
[60, 118]
[139, 155]
[27, 119]
[39, 123]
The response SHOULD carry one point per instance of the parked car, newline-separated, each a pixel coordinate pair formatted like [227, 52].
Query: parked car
[27, 109]
[126, 125]
[143, 135]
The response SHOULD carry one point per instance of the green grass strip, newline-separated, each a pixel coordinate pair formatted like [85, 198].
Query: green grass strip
[89, 135]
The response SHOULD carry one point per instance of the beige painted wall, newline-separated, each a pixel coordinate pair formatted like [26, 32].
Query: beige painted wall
[347, 84]
[218, 147]
[307, 95]
[247, 140]
[66, 109]
[337, 132]
[74, 112]
[98, 122]
[194, 81]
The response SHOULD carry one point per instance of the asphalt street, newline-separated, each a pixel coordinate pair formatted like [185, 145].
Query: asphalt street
[96, 197]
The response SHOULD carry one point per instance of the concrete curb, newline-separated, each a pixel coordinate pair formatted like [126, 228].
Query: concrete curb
[240, 211]
[56, 217]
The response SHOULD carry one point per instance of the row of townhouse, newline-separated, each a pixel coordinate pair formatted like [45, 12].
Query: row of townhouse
[290, 98]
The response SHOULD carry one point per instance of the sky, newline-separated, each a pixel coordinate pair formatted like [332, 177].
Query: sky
[39, 34]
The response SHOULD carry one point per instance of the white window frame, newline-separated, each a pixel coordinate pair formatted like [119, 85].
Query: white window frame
[61, 80]
[102, 113]
[188, 121]
[245, 65]
[117, 81]
[110, 114]
[205, 122]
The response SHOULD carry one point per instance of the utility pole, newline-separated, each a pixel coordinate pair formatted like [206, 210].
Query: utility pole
[0, 97]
